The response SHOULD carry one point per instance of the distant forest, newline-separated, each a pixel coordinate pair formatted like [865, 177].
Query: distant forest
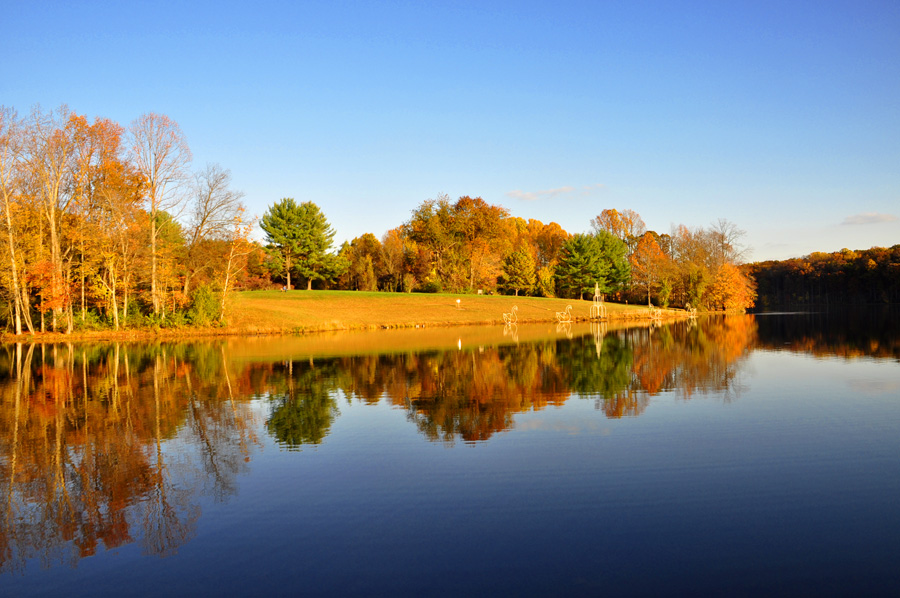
[845, 277]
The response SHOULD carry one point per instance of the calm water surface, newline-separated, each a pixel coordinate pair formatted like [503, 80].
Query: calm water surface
[740, 455]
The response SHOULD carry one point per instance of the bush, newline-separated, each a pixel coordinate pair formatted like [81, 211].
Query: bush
[92, 321]
[409, 283]
[432, 286]
[204, 310]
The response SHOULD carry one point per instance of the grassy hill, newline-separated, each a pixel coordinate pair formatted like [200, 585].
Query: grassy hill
[305, 311]
[276, 312]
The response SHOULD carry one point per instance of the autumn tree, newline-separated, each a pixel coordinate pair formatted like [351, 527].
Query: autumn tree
[461, 241]
[103, 180]
[549, 241]
[518, 271]
[11, 141]
[626, 225]
[50, 150]
[649, 265]
[119, 213]
[392, 257]
[732, 289]
[364, 255]
[161, 154]
[431, 228]
[479, 226]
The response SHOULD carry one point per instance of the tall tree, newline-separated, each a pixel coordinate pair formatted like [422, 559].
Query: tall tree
[392, 254]
[431, 228]
[586, 260]
[50, 150]
[211, 216]
[301, 237]
[161, 154]
[100, 174]
[463, 241]
[648, 264]
[11, 131]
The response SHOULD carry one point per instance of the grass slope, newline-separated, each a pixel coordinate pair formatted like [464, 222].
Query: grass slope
[275, 312]
[303, 311]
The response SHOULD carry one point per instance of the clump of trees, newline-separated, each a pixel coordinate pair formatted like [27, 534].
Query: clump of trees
[701, 267]
[107, 226]
[469, 245]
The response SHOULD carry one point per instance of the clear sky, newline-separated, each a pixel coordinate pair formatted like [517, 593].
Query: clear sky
[782, 117]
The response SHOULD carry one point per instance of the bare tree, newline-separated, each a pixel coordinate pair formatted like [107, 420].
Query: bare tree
[727, 243]
[161, 154]
[212, 213]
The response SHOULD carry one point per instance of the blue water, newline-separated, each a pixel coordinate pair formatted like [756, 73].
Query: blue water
[775, 473]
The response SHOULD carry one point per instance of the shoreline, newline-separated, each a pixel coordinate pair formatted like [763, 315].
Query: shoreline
[187, 333]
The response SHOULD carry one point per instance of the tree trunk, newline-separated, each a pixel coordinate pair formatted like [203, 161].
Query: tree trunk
[14, 269]
[115, 305]
[82, 282]
[26, 310]
[153, 295]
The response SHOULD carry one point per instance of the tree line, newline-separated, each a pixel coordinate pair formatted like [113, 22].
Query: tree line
[865, 276]
[105, 226]
[469, 246]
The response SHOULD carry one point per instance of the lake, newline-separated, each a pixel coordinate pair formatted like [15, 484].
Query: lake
[739, 455]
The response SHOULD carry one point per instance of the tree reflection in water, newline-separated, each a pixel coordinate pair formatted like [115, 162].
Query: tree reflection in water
[303, 403]
[105, 445]
[84, 458]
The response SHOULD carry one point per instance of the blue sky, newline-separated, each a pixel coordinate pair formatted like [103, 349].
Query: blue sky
[782, 117]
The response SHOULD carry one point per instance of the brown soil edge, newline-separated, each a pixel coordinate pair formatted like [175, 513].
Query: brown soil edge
[197, 333]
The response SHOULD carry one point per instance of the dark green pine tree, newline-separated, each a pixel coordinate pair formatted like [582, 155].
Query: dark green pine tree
[300, 239]
[586, 260]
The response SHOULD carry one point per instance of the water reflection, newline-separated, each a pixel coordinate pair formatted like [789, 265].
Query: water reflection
[838, 332]
[303, 402]
[106, 445]
[89, 452]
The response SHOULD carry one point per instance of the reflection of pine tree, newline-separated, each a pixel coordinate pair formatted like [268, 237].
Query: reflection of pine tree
[588, 374]
[304, 411]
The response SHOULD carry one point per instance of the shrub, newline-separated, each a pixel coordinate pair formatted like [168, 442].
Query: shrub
[204, 310]
[432, 286]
